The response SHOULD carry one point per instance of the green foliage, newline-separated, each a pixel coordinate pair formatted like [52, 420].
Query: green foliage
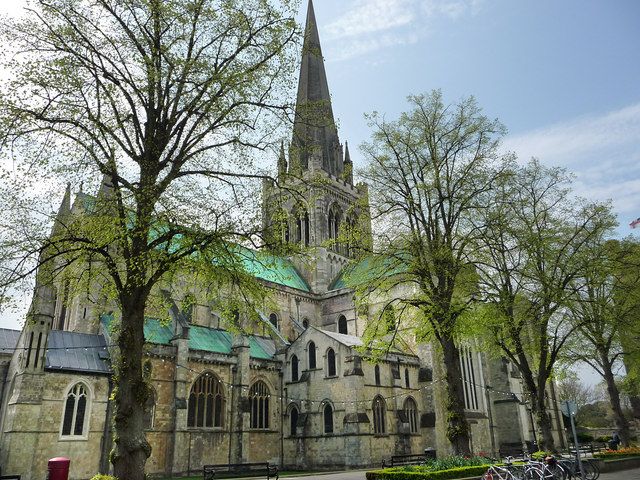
[540, 454]
[100, 476]
[585, 437]
[405, 474]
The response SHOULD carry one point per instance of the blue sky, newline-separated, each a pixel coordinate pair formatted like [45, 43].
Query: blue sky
[563, 76]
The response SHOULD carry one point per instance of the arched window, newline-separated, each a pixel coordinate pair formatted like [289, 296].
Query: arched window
[407, 383]
[331, 224]
[331, 363]
[294, 368]
[342, 325]
[76, 415]
[273, 320]
[150, 410]
[328, 418]
[379, 409]
[259, 404]
[376, 372]
[411, 411]
[312, 355]
[306, 229]
[206, 403]
[305, 323]
[293, 418]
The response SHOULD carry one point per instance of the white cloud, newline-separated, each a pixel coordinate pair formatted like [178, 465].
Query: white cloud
[370, 25]
[602, 150]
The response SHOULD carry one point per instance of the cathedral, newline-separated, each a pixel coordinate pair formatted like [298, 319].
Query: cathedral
[300, 393]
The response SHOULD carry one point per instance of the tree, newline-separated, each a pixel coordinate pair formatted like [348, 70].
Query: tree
[571, 388]
[535, 240]
[167, 100]
[430, 171]
[604, 309]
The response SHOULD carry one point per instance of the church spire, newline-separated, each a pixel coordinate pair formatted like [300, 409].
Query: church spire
[348, 165]
[63, 211]
[315, 143]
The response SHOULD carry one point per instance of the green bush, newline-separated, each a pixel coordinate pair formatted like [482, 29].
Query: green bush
[603, 438]
[404, 474]
[585, 437]
[103, 477]
[446, 463]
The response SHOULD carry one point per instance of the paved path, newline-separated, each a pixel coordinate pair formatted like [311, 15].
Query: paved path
[359, 475]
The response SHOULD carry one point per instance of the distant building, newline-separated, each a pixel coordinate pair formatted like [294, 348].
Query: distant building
[301, 396]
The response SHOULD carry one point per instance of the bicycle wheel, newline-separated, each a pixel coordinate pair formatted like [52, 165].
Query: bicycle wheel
[591, 471]
[533, 473]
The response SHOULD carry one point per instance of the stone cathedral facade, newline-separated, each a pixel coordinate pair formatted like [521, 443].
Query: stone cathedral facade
[301, 395]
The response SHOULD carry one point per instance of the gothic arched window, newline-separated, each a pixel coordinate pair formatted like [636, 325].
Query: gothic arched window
[293, 419]
[76, 411]
[328, 418]
[407, 384]
[259, 405]
[312, 355]
[342, 325]
[150, 410]
[376, 372]
[294, 368]
[206, 403]
[411, 411]
[307, 233]
[305, 323]
[273, 320]
[331, 363]
[379, 410]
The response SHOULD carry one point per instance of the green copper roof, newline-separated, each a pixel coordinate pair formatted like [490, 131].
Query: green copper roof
[366, 270]
[201, 338]
[272, 269]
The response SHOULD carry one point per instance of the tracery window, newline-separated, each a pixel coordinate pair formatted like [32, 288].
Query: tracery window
[331, 363]
[259, 405]
[294, 368]
[342, 325]
[379, 411]
[74, 420]
[150, 410]
[206, 403]
[470, 382]
[411, 411]
[311, 349]
[328, 418]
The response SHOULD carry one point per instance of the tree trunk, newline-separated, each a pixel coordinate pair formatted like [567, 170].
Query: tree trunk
[457, 427]
[614, 400]
[543, 422]
[131, 448]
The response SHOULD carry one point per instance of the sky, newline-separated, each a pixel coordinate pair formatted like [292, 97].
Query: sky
[563, 76]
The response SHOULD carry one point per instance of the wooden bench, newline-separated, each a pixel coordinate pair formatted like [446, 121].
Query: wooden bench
[209, 472]
[400, 460]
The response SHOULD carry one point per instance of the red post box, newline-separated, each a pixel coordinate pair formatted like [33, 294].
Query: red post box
[58, 468]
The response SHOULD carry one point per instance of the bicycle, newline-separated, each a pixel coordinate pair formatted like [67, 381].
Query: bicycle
[591, 470]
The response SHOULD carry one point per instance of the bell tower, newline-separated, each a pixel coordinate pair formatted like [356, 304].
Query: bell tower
[327, 213]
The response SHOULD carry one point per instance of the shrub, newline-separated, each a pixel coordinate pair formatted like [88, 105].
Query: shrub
[585, 437]
[620, 453]
[404, 474]
[100, 476]
[540, 454]
[603, 438]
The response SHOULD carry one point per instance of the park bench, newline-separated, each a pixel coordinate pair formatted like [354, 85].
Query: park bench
[400, 460]
[236, 469]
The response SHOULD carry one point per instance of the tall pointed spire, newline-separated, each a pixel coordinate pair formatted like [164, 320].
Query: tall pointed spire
[63, 211]
[282, 163]
[314, 132]
[348, 165]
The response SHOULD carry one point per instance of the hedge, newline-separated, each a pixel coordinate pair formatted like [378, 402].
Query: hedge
[453, 473]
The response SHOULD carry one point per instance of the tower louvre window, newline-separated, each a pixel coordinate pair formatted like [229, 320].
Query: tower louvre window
[342, 325]
[470, 384]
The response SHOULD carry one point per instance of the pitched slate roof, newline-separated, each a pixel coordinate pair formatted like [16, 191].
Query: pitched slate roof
[8, 340]
[366, 270]
[348, 340]
[201, 338]
[77, 352]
